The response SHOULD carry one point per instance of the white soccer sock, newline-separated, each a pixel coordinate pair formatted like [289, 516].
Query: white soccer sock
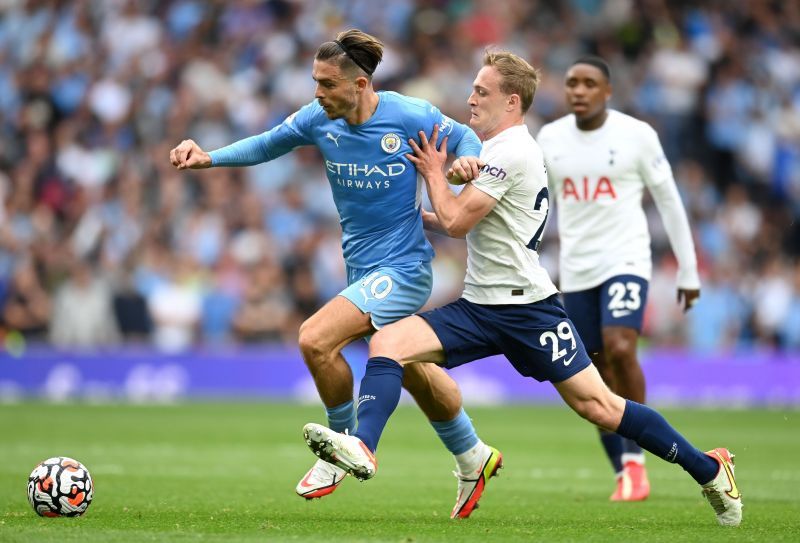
[633, 457]
[471, 462]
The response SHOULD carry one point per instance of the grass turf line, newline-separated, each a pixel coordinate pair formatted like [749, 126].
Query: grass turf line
[213, 472]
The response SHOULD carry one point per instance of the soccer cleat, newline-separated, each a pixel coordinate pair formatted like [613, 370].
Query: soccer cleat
[471, 486]
[322, 479]
[347, 452]
[722, 492]
[632, 484]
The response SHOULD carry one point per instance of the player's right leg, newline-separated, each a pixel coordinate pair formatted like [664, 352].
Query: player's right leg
[321, 340]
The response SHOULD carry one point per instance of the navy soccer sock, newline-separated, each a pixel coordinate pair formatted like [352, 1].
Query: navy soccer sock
[612, 443]
[650, 430]
[377, 398]
[629, 446]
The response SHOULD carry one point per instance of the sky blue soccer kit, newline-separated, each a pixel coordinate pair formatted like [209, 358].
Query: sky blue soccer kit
[375, 189]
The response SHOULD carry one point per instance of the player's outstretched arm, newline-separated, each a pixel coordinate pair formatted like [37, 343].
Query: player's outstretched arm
[189, 155]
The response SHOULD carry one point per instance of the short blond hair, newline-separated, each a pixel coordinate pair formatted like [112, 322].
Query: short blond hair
[516, 75]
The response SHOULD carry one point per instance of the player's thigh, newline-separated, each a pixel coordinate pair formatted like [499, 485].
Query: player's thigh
[462, 333]
[389, 293]
[336, 324]
[406, 341]
[623, 299]
[540, 340]
[583, 308]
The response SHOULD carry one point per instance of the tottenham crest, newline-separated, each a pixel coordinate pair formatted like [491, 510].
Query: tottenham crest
[390, 142]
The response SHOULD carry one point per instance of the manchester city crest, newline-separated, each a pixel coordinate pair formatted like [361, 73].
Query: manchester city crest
[390, 142]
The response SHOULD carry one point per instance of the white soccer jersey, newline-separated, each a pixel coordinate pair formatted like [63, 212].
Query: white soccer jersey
[598, 178]
[502, 265]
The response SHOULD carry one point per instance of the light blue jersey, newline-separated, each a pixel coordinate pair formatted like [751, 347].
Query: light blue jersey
[375, 187]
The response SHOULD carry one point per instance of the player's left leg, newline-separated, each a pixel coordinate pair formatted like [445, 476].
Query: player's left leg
[389, 294]
[586, 393]
[390, 349]
[403, 345]
[476, 462]
[627, 380]
[622, 302]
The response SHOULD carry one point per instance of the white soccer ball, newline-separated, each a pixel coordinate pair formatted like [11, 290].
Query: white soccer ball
[60, 487]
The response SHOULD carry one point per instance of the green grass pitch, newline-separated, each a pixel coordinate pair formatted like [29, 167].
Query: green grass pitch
[226, 472]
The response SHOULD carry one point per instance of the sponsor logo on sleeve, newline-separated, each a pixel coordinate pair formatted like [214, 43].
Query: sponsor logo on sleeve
[494, 171]
[446, 125]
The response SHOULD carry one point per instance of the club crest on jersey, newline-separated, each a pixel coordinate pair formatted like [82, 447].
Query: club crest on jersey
[390, 142]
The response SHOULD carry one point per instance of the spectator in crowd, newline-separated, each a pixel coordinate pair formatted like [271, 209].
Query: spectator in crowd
[28, 304]
[94, 94]
[83, 314]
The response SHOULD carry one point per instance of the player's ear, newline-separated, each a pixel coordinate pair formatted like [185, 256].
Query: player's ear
[513, 101]
[362, 82]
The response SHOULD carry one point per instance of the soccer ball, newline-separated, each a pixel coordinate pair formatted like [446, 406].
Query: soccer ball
[60, 487]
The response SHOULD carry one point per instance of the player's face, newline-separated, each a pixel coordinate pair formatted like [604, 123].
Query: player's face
[488, 104]
[587, 90]
[335, 92]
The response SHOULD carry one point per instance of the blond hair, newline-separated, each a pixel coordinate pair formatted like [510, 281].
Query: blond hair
[516, 75]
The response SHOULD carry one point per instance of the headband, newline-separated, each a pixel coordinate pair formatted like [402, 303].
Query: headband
[352, 57]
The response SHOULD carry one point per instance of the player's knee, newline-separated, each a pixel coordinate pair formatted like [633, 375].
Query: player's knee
[596, 412]
[386, 345]
[311, 343]
[621, 350]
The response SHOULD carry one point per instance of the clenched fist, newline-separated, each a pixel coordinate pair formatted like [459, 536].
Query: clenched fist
[189, 155]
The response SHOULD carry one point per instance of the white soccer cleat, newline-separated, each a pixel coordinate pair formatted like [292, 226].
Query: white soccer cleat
[345, 451]
[472, 485]
[322, 479]
[722, 492]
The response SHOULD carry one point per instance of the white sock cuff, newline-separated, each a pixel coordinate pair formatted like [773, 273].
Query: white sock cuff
[633, 457]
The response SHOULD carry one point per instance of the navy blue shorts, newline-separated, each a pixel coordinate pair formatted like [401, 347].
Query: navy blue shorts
[538, 339]
[619, 301]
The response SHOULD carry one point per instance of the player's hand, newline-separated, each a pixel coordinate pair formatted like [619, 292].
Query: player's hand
[429, 156]
[688, 297]
[189, 155]
[464, 169]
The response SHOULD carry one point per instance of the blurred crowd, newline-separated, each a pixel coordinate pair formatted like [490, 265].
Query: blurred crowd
[102, 241]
